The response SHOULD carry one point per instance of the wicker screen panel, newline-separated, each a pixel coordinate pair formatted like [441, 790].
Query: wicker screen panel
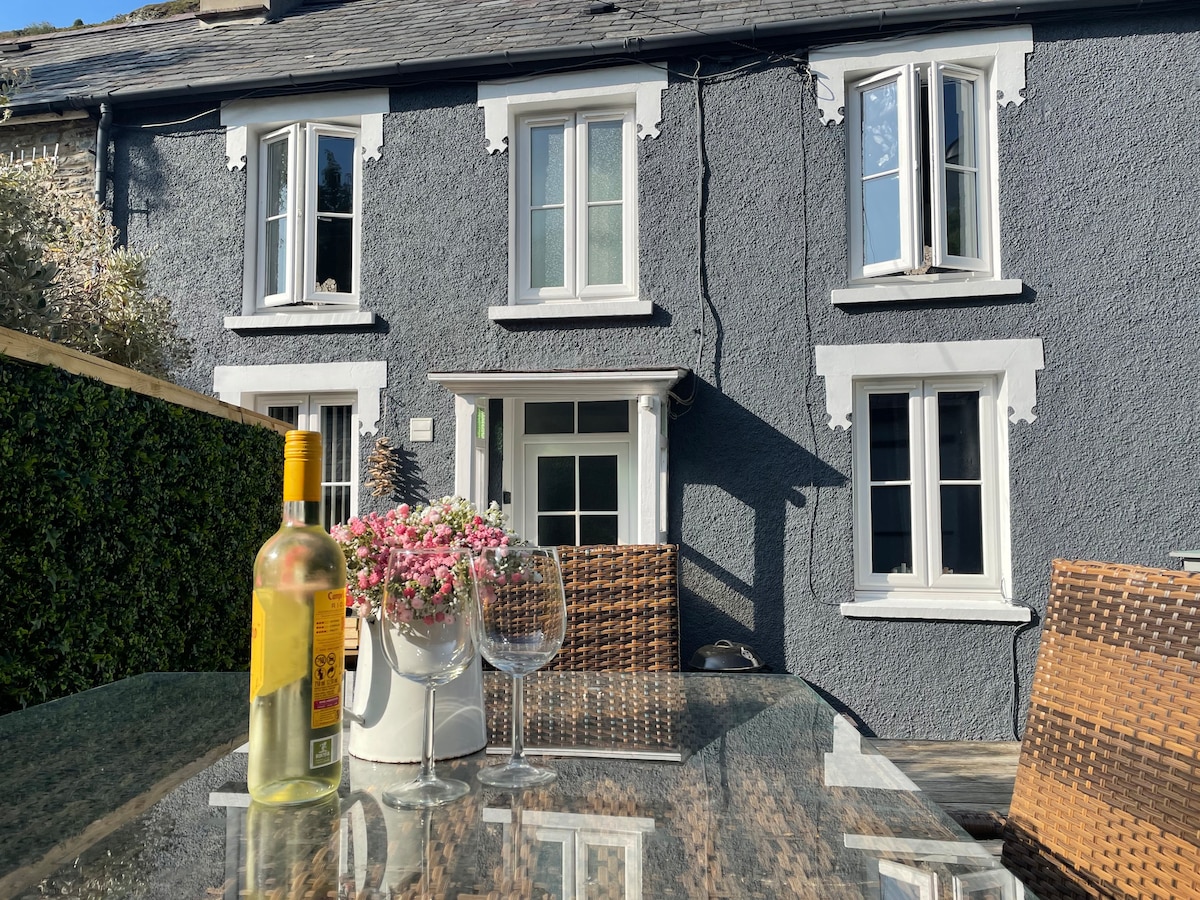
[1107, 797]
[622, 608]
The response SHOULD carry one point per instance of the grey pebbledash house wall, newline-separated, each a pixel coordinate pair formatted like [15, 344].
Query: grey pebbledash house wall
[1097, 211]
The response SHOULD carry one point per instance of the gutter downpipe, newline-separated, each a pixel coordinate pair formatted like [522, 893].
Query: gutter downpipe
[102, 131]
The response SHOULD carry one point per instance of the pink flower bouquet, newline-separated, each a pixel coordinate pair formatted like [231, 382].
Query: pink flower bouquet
[430, 586]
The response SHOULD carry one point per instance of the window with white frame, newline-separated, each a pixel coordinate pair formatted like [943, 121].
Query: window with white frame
[332, 416]
[304, 162]
[919, 193]
[341, 400]
[572, 143]
[575, 206]
[930, 467]
[307, 242]
[922, 156]
[926, 467]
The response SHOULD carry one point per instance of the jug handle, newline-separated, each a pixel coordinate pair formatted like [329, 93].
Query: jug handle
[355, 713]
[375, 827]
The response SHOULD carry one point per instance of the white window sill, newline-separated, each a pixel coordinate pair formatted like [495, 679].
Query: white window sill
[584, 309]
[300, 320]
[898, 291]
[951, 609]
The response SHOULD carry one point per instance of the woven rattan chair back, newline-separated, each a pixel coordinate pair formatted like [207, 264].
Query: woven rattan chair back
[1107, 796]
[622, 608]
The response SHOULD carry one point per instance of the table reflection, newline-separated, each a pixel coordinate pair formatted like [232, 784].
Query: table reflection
[754, 788]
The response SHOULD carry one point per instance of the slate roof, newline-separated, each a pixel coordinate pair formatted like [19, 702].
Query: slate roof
[324, 40]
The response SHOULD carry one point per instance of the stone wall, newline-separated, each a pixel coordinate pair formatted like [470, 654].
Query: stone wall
[72, 137]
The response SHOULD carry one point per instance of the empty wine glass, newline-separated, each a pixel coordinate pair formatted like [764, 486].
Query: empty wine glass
[520, 621]
[426, 616]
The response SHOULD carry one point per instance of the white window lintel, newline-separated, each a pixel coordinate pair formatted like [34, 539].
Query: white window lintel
[1017, 360]
[643, 84]
[368, 379]
[367, 107]
[1002, 49]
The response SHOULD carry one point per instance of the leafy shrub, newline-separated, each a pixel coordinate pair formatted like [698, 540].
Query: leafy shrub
[128, 533]
[63, 277]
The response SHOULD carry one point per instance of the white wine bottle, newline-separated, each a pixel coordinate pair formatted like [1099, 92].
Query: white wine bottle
[296, 646]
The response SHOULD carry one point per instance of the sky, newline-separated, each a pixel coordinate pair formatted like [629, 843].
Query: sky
[62, 13]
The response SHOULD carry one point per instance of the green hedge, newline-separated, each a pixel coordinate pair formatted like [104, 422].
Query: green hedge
[128, 529]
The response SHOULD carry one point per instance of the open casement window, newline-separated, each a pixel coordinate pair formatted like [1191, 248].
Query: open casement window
[333, 416]
[926, 471]
[308, 237]
[919, 198]
[575, 485]
[575, 206]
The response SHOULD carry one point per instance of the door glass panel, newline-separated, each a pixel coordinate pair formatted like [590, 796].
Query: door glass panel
[554, 531]
[597, 483]
[605, 258]
[597, 529]
[556, 483]
[277, 177]
[336, 502]
[335, 174]
[889, 439]
[550, 418]
[962, 529]
[546, 165]
[962, 213]
[335, 436]
[546, 248]
[880, 150]
[958, 435]
[604, 417]
[605, 872]
[604, 161]
[547, 869]
[881, 219]
[891, 529]
[336, 423]
[276, 208]
[335, 254]
[958, 109]
[289, 414]
[276, 255]
[880, 129]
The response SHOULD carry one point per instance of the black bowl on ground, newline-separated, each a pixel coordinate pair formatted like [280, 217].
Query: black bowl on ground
[726, 656]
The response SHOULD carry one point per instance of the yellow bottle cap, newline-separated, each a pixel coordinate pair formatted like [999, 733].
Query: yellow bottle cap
[302, 466]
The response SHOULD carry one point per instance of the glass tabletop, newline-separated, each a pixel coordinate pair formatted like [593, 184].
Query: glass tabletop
[670, 786]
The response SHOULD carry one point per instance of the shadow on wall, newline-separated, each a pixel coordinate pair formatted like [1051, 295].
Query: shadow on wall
[732, 562]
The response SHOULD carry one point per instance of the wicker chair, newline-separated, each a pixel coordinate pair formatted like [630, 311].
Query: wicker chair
[622, 608]
[1107, 796]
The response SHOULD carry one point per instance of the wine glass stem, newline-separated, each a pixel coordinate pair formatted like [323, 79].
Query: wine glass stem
[427, 774]
[518, 721]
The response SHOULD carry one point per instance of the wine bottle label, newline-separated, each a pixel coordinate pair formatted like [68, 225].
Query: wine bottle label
[329, 618]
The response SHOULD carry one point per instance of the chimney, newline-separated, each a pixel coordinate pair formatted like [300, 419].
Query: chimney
[224, 10]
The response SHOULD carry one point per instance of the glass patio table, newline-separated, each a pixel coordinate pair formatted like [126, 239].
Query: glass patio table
[669, 785]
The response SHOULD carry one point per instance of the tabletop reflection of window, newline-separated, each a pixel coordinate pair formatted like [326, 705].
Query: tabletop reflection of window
[580, 853]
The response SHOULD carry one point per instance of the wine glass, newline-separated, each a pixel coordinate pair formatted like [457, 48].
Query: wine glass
[520, 622]
[426, 616]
